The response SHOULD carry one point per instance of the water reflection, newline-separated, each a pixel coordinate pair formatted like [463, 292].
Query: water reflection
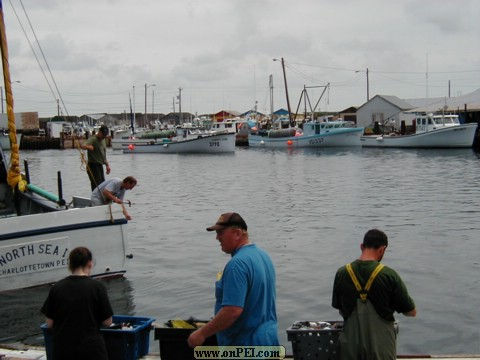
[21, 317]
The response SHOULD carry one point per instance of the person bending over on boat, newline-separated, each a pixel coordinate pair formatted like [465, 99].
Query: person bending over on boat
[75, 309]
[113, 190]
[245, 310]
[367, 294]
[97, 157]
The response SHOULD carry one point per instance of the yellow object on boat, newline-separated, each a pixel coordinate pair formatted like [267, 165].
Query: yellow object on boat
[181, 324]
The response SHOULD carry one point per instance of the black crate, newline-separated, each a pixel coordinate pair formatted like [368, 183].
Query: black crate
[121, 344]
[308, 342]
[173, 343]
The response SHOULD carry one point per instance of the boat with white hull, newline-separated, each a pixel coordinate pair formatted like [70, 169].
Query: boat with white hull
[207, 144]
[314, 135]
[39, 229]
[144, 138]
[34, 248]
[433, 131]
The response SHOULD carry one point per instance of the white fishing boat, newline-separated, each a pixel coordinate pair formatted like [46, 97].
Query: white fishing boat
[201, 143]
[431, 131]
[38, 229]
[143, 138]
[313, 135]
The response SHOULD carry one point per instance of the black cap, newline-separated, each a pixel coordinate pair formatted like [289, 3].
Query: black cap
[229, 219]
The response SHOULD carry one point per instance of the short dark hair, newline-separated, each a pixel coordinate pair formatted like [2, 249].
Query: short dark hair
[130, 180]
[79, 257]
[374, 239]
[104, 130]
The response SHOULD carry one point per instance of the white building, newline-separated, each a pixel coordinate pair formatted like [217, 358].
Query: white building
[391, 110]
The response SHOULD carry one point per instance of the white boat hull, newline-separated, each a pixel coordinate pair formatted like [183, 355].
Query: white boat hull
[460, 136]
[215, 143]
[339, 138]
[34, 249]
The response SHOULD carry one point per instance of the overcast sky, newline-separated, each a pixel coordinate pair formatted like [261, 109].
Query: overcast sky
[220, 52]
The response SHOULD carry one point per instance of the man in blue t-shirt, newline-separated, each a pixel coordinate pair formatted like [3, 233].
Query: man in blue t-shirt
[245, 312]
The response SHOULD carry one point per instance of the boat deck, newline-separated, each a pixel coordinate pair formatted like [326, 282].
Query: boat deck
[22, 352]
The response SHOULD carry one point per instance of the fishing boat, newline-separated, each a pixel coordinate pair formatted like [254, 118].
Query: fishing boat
[314, 134]
[38, 228]
[285, 133]
[187, 141]
[431, 131]
[143, 138]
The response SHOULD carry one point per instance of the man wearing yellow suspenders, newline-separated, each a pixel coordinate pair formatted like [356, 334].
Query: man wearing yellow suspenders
[367, 293]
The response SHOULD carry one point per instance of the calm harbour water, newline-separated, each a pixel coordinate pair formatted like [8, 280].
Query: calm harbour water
[309, 209]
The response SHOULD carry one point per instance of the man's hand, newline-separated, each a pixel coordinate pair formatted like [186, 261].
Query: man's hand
[195, 339]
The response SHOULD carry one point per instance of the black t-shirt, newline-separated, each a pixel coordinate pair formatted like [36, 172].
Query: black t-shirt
[78, 305]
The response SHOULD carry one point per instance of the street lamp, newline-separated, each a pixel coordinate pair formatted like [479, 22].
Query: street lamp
[368, 85]
[146, 120]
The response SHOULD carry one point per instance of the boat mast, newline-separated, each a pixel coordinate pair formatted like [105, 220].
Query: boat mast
[271, 97]
[286, 92]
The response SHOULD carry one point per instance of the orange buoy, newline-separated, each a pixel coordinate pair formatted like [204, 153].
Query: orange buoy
[289, 142]
[131, 147]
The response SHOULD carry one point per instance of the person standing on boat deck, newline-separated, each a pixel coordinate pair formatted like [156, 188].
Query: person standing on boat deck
[97, 157]
[113, 190]
[75, 309]
[245, 309]
[367, 294]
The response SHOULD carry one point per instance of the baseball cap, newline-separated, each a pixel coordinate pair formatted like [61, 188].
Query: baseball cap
[228, 219]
